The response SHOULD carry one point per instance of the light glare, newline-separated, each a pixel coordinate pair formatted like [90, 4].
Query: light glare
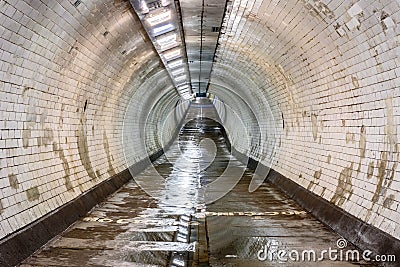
[166, 27]
[159, 18]
[175, 63]
[178, 71]
[172, 54]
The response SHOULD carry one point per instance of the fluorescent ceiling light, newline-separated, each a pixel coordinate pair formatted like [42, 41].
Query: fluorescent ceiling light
[180, 84]
[164, 40]
[175, 63]
[178, 71]
[167, 41]
[183, 86]
[163, 28]
[180, 78]
[159, 18]
[172, 54]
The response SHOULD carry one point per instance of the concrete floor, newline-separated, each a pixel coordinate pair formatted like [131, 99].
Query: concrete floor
[180, 227]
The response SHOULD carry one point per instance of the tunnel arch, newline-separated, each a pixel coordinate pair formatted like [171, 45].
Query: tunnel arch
[324, 75]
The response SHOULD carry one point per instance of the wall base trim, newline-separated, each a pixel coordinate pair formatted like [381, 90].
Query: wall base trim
[361, 234]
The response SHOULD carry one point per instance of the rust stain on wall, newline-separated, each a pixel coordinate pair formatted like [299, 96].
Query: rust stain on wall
[32, 193]
[291, 96]
[110, 170]
[391, 140]
[350, 137]
[26, 135]
[363, 141]
[31, 115]
[323, 191]
[362, 145]
[355, 82]
[390, 157]
[388, 202]
[381, 176]
[370, 171]
[318, 9]
[328, 160]
[25, 91]
[48, 136]
[314, 126]
[44, 135]
[12, 178]
[39, 140]
[83, 147]
[65, 164]
[344, 188]
[317, 176]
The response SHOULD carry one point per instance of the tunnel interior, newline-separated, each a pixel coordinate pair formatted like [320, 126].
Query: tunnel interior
[305, 93]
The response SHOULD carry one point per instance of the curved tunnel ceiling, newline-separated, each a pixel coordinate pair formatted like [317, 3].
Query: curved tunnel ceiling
[324, 79]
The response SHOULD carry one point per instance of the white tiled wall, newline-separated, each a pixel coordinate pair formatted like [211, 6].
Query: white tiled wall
[68, 74]
[330, 73]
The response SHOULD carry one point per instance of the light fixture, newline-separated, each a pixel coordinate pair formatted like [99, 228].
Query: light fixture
[172, 54]
[145, 8]
[182, 83]
[163, 28]
[183, 86]
[180, 78]
[175, 63]
[167, 41]
[178, 71]
[159, 18]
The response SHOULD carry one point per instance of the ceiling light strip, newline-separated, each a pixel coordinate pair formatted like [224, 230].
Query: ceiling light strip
[162, 23]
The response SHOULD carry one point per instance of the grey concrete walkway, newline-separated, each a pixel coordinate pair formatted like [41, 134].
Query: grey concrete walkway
[181, 229]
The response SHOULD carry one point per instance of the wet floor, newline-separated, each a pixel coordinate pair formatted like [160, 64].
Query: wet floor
[182, 225]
